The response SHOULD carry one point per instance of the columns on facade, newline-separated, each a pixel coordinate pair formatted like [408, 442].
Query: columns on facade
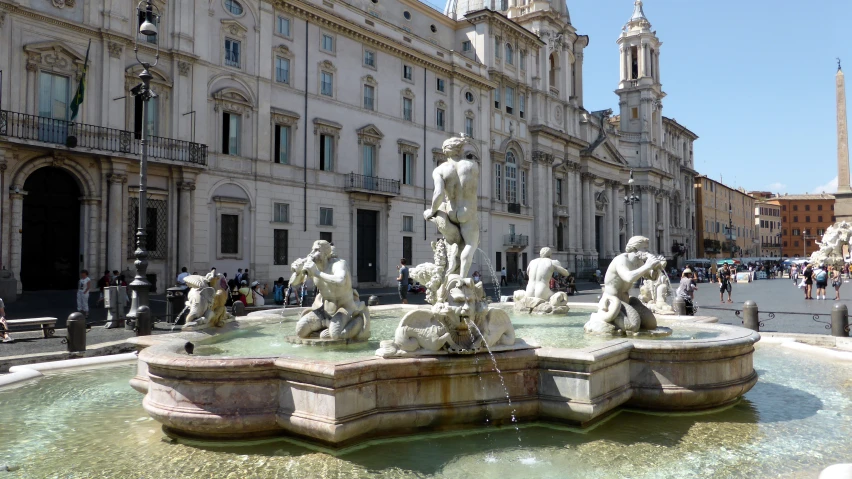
[588, 211]
[606, 229]
[622, 64]
[578, 76]
[17, 223]
[576, 210]
[90, 206]
[185, 189]
[629, 60]
[613, 218]
[115, 225]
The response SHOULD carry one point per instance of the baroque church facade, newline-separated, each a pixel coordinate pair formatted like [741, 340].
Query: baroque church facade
[277, 123]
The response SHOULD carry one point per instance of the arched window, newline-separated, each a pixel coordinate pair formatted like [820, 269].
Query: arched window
[234, 7]
[552, 69]
[511, 178]
[510, 54]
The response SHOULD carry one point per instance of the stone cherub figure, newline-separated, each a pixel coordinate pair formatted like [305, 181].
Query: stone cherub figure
[538, 297]
[206, 301]
[337, 312]
[618, 312]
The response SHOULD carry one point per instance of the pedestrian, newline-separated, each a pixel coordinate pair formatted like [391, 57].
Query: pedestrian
[521, 278]
[4, 328]
[103, 282]
[278, 291]
[239, 277]
[402, 281]
[246, 277]
[713, 272]
[836, 281]
[182, 277]
[808, 273]
[724, 278]
[476, 277]
[821, 276]
[794, 273]
[503, 279]
[257, 293]
[245, 294]
[686, 290]
[83, 288]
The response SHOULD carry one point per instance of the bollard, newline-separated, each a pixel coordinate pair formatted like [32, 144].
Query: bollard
[239, 309]
[144, 322]
[839, 320]
[373, 300]
[679, 306]
[76, 325]
[750, 312]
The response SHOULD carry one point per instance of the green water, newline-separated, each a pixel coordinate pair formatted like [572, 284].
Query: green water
[796, 421]
[563, 331]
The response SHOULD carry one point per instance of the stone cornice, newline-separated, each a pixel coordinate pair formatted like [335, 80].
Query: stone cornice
[343, 26]
[568, 139]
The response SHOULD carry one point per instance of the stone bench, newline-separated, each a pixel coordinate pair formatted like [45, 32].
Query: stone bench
[47, 324]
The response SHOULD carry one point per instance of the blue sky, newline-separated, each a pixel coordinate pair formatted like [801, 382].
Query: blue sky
[754, 79]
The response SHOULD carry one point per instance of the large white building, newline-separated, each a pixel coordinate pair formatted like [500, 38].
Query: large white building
[280, 122]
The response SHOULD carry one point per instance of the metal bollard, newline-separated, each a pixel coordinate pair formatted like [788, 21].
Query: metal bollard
[239, 309]
[374, 300]
[750, 320]
[840, 320]
[144, 322]
[679, 306]
[76, 325]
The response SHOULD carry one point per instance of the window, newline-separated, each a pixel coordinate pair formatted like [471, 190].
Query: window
[523, 187]
[407, 169]
[511, 178]
[282, 70]
[407, 106]
[498, 181]
[157, 239]
[468, 96]
[151, 118]
[796, 232]
[468, 127]
[369, 95]
[795, 219]
[326, 153]
[510, 99]
[326, 216]
[279, 247]
[232, 53]
[327, 84]
[785, 244]
[795, 243]
[439, 119]
[230, 234]
[234, 7]
[783, 207]
[497, 47]
[559, 193]
[440, 85]
[408, 72]
[231, 133]
[522, 100]
[634, 114]
[283, 26]
[522, 59]
[510, 55]
[407, 248]
[325, 236]
[368, 167]
[408, 224]
[407, 15]
[497, 98]
[820, 231]
[795, 207]
[807, 219]
[327, 43]
[370, 58]
[280, 212]
[819, 207]
[282, 144]
[807, 207]
[819, 218]
[467, 46]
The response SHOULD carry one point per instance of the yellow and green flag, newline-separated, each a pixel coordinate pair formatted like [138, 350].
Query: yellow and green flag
[81, 88]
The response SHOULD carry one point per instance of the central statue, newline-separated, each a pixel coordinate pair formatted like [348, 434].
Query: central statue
[538, 297]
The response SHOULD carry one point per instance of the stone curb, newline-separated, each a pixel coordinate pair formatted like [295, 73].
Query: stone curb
[22, 373]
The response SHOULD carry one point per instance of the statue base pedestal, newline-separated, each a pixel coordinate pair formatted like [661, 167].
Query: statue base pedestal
[315, 340]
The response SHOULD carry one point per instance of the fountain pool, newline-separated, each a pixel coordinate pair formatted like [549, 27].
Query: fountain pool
[794, 422]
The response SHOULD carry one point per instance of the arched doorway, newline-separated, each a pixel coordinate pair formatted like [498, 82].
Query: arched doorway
[50, 243]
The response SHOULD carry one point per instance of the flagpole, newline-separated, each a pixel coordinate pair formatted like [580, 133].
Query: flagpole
[71, 139]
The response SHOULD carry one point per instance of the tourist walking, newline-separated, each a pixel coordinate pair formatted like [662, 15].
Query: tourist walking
[713, 272]
[808, 273]
[794, 273]
[836, 280]
[4, 328]
[239, 277]
[402, 281]
[821, 277]
[503, 280]
[83, 288]
[724, 278]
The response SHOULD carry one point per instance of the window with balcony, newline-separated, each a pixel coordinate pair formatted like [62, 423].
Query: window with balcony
[232, 53]
[327, 84]
[282, 70]
[151, 117]
[368, 162]
[326, 153]
[282, 144]
[369, 97]
[231, 123]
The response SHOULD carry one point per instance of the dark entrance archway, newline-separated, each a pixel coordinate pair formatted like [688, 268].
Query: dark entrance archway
[50, 246]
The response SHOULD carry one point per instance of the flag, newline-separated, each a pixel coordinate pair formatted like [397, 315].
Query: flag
[81, 88]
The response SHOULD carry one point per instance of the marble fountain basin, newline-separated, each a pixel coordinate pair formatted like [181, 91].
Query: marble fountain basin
[338, 398]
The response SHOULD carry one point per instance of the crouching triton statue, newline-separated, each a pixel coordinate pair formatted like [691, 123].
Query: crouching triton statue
[538, 297]
[337, 312]
[619, 313]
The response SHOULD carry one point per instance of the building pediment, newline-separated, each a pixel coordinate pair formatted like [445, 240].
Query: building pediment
[369, 134]
[53, 55]
[234, 28]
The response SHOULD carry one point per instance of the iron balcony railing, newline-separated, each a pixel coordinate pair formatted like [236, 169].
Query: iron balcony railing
[81, 135]
[516, 240]
[372, 184]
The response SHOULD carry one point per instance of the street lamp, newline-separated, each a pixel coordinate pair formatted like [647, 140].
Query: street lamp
[631, 199]
[731, 229]
[147, 21]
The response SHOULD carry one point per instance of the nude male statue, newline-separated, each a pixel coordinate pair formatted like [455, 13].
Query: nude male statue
[337, 311]
[539, 271]
[616, 309]
[454, 202]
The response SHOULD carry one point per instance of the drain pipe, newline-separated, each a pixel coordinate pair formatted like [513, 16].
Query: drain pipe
[425, 150]
[305, 136]
[2, 196]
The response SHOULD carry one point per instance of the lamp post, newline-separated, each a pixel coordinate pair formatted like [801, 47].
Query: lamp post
[147, 21]
[631, 199]
[731, 230]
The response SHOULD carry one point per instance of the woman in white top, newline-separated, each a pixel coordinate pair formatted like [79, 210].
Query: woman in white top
[258, 292]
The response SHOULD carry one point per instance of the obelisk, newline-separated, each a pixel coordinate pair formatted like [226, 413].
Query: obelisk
[843, 197]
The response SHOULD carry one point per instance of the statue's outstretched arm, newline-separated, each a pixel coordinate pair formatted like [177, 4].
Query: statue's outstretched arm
[438, 195]
[631, 276]
[559, 269]
[337, 275]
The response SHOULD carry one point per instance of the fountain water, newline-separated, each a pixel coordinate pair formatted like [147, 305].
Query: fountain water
[494, 277]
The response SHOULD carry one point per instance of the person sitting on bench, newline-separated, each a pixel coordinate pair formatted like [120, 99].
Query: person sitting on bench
[4, 328]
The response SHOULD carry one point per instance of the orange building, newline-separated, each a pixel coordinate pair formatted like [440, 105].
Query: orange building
[804, 219]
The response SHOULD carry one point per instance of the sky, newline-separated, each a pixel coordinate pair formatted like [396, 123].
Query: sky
[754, 79]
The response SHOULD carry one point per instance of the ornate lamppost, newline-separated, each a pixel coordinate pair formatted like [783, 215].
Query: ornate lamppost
[140, 286]
[631, 199]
